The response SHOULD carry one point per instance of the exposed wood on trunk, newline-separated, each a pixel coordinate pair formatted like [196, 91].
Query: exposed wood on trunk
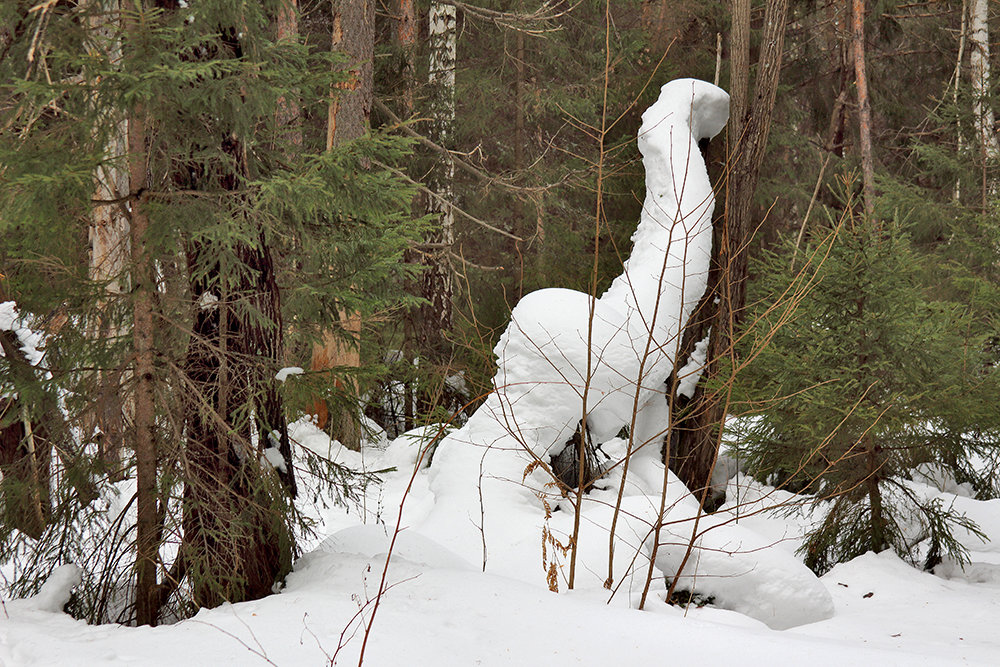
[109, 252]
[348, 118]
[288, 115]
[354, 34]
[864, 104]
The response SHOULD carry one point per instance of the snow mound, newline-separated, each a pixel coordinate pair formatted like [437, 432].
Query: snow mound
[554, 352]
[372, 542]
[566, 354]
[743, 571]
[56, 590]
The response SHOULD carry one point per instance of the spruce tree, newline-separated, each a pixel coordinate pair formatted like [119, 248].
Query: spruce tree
[868, 379]
[242, 235]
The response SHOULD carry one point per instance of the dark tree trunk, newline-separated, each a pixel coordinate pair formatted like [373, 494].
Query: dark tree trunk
[25, 463]
[697, 423]
[28, 434]
[236, 543]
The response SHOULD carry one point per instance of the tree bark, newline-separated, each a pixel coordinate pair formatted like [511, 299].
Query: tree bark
[25, 454]
[982, 110]
[289, 115]
[406, 38]
[144, 418]
[697, 421]
[109, 254]
[864, 104]
[348, 118]
[236, 544]
[435, 317]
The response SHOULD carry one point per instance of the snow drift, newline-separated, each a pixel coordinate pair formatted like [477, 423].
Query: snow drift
[567, 354]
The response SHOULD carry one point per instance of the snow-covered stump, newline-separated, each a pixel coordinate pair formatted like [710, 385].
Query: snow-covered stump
[495, 498]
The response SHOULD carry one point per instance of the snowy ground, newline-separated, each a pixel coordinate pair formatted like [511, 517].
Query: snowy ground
[476, 545]
[442, 609]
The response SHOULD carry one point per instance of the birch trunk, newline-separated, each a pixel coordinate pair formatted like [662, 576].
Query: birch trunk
[437, 280]
[982, 110]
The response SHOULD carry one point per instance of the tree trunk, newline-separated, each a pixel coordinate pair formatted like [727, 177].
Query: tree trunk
[109, 254]
[25, 455]
[237, 543]
[698, 421]
[354, 34]
[289, 115]
[348, 118]
[435, 317]
[519, 74]
[864, 104]
[982, 110]
[406, 38]
[144, 418]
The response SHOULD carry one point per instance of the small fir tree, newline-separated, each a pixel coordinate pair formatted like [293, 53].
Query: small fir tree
[869, 379]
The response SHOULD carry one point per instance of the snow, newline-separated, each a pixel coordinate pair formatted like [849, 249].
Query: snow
[55, 591]
[562, 346]
[272, 456]
[442, 610]
[690, 373]
[449, 558]
[488, 479]
[31, 341]
[283, 374]
[554, 349]
[208, 301]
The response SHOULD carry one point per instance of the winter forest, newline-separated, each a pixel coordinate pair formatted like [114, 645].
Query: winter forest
[506, 332]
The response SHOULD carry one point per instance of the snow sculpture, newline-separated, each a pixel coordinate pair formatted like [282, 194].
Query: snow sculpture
[628, 345]
[486, 478]
[543, 355]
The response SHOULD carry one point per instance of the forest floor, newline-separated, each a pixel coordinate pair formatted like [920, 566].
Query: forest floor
[440, 609]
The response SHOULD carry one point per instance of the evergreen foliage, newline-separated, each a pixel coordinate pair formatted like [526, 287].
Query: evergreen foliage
[252, 227]
[260, 239]
[870, 378]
